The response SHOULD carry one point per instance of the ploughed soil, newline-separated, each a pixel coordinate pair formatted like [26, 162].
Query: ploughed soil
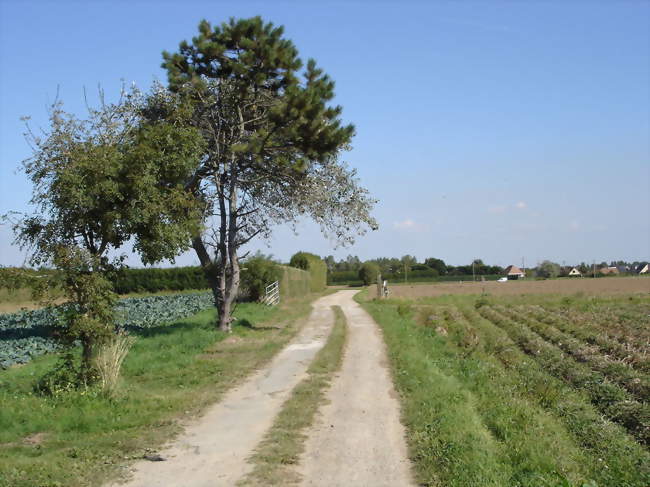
[599, 286]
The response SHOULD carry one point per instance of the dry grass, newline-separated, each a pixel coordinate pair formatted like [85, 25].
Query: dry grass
[109, 360]
[599, 287]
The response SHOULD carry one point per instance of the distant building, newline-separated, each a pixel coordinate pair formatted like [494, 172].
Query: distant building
[514, 272]
[574, 272]
[642, 269]
[609, 270]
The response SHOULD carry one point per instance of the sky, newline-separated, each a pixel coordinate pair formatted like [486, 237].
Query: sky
[493, 130]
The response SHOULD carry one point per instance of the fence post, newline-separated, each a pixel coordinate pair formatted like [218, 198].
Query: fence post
[380, 287]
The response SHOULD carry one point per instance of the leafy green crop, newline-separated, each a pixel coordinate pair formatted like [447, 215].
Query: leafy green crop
[27, 334]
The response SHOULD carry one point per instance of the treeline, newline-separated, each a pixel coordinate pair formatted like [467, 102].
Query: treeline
[351, 270]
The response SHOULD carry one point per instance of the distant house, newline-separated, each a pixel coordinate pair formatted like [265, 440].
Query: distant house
[609, 270]
[514, 272]
[642, 268]
[574, 272]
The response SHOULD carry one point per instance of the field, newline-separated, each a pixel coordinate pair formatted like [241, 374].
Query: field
[533, 389]
[602, 286]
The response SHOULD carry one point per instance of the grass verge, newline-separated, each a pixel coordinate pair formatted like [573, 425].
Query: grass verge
[171, 374]
[474, 418]
[284, 443]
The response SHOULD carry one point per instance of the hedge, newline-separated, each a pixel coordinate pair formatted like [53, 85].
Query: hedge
[154, 279]
[315, 266]
[294, 282]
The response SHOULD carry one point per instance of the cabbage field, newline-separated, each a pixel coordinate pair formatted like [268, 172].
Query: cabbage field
[27, 334]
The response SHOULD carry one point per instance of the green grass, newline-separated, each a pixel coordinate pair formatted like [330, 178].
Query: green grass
[480, 412]
[171, 374]
[284, 443]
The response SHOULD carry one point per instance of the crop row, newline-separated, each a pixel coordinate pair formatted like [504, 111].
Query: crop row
[636, 383]
[578, 326]
[629, 325]
[622, 456]
[612, 400]
[27, 334]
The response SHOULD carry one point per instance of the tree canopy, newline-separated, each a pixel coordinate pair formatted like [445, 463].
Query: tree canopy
[271, 144]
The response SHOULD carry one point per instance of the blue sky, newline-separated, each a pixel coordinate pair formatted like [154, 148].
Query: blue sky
[493, 130]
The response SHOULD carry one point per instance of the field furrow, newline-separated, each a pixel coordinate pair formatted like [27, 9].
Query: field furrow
[620, 345]
[636, 383]
[612, 400]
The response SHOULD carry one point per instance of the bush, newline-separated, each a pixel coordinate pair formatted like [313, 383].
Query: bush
[548, 269]
[260, 272]
[368, 273]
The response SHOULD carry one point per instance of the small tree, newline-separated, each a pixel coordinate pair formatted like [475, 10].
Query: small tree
[271, 145]
[368, 273]
[95, 188]
[548, 269]
[437, 264]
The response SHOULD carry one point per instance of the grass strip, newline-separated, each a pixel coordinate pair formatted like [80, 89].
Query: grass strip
[171, 374]
[285, 442]
[540, 430]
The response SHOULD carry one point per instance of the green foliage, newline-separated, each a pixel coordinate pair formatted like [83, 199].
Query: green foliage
[548, 269]
[260, 272]
[368, 273]
[271, 144]
[294, 282]
[313, 264]
[437, 264]
[151, 280]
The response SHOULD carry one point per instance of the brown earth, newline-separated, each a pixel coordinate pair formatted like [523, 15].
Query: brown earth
[601, 286]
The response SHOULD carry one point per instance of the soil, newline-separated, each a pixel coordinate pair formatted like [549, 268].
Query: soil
[599, 286]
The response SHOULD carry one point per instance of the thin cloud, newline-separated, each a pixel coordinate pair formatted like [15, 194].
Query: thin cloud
[521, 205]
[405, 224]
[410, 225]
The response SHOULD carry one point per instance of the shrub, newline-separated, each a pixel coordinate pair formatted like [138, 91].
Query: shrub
[260, 272]
[368, 273]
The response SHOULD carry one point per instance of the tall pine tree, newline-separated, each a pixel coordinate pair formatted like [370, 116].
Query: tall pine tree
[272, 142]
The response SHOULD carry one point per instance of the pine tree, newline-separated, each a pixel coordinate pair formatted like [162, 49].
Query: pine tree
[271, 144]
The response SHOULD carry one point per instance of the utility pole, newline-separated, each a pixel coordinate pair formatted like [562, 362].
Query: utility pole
[473, 273]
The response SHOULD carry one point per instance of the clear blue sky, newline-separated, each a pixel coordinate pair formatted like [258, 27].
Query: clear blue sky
[487, 130]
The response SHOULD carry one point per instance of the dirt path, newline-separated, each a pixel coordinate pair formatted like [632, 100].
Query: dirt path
[213, 451]
[358, 439]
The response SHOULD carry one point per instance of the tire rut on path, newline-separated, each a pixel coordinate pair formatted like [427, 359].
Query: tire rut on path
[213, 451]
[358, 439]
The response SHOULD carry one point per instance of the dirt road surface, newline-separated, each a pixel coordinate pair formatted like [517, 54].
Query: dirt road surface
[358, 439]
[213, 451]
